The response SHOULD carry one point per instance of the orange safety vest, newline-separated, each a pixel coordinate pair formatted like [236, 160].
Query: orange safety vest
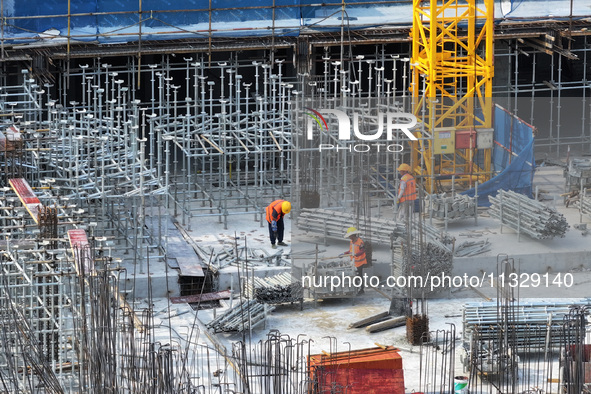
[275, 206]
[354, 248]
[410, 191]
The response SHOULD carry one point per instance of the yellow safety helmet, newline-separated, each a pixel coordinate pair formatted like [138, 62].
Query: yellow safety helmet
[404, 167]
[351, 231]
[285, 207]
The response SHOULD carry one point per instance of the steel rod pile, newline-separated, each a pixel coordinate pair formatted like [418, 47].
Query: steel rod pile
[491, 319]
[333, 224]
[472, 248]
[434, 259]
[454, 207]
[241, 256]
[275, 289]
[243, 316]
[528, 216]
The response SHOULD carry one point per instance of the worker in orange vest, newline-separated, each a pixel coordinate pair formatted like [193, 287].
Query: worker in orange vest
[407, 192]
[356, 252]
[275, 213]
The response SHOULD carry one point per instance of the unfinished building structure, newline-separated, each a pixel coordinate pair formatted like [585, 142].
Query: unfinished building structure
[113, 121]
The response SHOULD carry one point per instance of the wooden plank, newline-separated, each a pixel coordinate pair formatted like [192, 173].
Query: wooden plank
[79, 244]
[189, 266]
[28, 198]
[219, 295]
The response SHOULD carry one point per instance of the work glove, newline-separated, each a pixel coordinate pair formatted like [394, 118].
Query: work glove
[274, 226]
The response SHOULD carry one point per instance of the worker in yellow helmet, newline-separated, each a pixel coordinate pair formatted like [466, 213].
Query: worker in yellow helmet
[407, 192]
[275, 213]
[356, 252]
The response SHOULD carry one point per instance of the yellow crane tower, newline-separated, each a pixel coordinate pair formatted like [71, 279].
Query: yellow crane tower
[452, 71]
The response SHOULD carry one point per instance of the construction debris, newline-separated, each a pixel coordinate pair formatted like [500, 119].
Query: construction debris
[241, 256]
[472, 248]
[244, 316]
[527, 216]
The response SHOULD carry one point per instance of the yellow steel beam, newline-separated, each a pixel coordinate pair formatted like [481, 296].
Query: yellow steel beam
[452, 46]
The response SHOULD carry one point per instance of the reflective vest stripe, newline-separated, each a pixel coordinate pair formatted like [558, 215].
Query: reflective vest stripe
[410, 191]
[273, 207]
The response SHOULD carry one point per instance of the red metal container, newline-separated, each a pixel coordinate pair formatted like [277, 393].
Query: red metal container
[365, 371]
[465, 139]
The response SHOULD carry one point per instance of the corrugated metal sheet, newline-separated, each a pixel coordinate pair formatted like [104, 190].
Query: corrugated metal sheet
[116, 21]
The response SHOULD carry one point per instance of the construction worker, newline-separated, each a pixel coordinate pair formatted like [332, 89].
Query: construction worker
[275, 213]
[407, 192]
[356, 252]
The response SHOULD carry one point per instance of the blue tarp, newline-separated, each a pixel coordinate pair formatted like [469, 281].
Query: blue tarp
[112, 21]
[512, 158]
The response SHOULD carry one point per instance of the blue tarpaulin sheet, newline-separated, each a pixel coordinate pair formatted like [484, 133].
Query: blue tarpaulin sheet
[512, 158]
[111, 21]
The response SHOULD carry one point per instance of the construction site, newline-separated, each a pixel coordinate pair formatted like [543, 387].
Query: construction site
[289, 197]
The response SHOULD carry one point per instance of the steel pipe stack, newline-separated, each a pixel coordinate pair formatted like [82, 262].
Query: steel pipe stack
[530, 322]
[454, 207]
[243, 316]
[526, 215]
[333, 224]
[276, 289]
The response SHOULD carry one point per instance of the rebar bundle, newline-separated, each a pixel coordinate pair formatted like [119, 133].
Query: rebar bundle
[435, 258]
[277, 364]
[527, 216]
[438, 360]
